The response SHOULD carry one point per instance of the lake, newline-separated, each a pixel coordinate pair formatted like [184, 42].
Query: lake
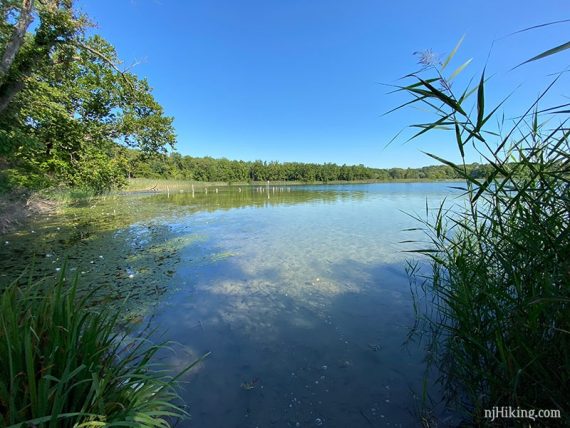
[300, 293]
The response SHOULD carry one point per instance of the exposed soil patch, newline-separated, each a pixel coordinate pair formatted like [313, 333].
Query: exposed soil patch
[17, 208]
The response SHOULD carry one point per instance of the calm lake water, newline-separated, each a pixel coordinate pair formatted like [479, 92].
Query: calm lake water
[300, 294]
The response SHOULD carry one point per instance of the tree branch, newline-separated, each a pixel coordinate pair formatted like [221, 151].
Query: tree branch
[13, 46]
[95, 52]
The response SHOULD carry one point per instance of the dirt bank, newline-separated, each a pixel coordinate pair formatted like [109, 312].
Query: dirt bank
[18, 208]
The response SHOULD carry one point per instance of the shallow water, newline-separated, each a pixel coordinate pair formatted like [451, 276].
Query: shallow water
[300, 294]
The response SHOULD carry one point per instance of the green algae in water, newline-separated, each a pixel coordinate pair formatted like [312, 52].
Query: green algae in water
[119, 247]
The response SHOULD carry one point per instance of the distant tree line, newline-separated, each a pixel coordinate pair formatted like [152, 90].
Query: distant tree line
[176, 166]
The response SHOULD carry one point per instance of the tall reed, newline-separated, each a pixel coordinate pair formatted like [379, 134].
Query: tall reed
[496, 308]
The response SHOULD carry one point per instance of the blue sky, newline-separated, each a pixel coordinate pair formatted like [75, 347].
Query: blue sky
[302, 80]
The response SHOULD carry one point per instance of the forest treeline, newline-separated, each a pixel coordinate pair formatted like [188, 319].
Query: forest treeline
[176, 166]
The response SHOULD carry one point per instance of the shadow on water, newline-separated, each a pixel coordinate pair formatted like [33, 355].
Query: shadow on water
[280, 359]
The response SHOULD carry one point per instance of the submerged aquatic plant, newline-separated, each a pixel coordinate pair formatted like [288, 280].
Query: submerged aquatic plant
[496, 308]
[65, 364]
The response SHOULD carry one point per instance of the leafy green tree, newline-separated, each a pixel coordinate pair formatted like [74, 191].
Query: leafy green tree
[65, 106]
[24, 53]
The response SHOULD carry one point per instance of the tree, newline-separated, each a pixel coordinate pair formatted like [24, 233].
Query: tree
[65, 106]
[23, 52]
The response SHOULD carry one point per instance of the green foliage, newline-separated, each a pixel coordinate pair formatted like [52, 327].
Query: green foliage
[74, 108]
[65, 365]
[175, 166]
[12, 178]
[100, 172]
[497, 306]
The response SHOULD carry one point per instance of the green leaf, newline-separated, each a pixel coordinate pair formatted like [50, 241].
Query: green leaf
[459, 70]
[413, 85]
[549, 52]
[415, 100]
[452, 54]
[44, 419]
[562, 21]
[427, 127]
[444, 98]
[480, 102]
[459, 140]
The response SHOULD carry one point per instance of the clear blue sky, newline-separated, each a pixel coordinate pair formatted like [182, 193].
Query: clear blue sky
[300, 80]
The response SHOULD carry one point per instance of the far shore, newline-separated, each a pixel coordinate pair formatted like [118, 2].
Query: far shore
[136, 185]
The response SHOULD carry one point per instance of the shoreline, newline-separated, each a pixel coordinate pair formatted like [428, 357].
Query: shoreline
[17, 209]
[147, 185]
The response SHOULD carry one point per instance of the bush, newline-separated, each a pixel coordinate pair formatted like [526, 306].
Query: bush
[64, 364]
[99, 172]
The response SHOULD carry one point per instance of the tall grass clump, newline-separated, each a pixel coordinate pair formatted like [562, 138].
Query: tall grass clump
[64, 364]
[496, 308]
